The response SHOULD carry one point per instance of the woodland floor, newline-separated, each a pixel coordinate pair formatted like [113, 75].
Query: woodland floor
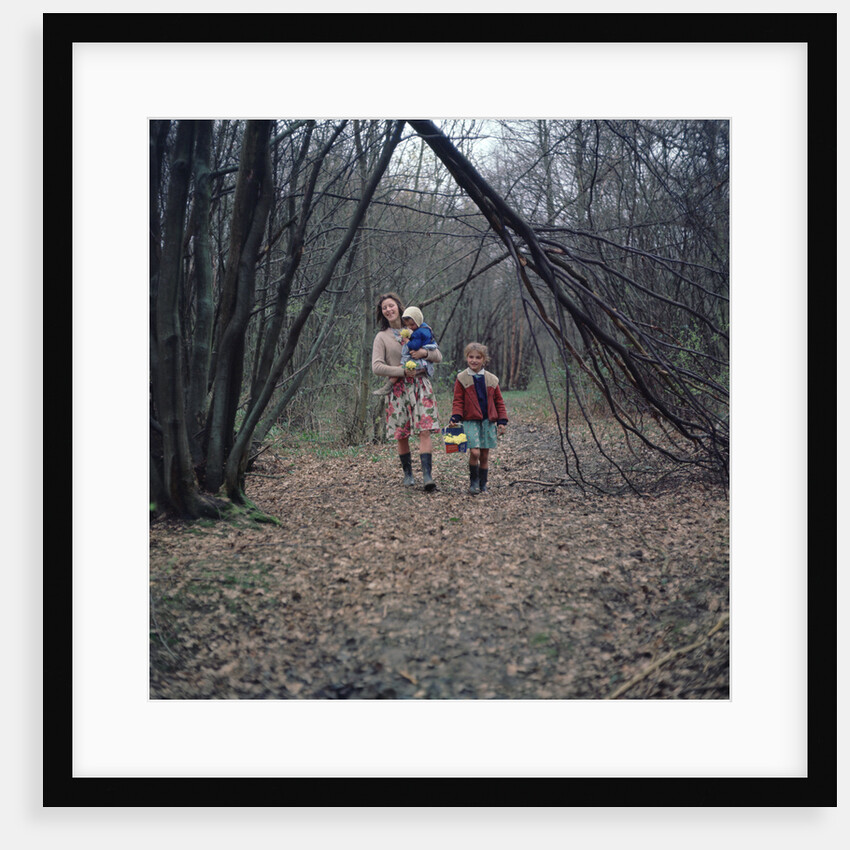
[369, 590]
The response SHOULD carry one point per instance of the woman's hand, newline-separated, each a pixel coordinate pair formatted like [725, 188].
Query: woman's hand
[419, 353]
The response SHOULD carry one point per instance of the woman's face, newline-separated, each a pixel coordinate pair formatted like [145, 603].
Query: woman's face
[390, 310]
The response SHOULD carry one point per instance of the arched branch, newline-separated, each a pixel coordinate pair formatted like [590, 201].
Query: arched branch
[633, 369]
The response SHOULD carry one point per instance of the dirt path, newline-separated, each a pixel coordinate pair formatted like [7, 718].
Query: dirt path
[374, 591]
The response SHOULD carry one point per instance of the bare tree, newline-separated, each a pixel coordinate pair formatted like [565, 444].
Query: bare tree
[174, 477]
[190, 383]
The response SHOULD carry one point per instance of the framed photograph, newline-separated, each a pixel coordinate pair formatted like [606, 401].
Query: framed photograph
[773, 742]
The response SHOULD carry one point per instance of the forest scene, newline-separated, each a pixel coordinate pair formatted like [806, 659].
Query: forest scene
[288, 560]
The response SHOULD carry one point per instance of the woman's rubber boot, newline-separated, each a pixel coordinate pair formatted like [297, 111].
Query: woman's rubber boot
[482, 479]
[474, 485]
[408, 469]
[427, 481]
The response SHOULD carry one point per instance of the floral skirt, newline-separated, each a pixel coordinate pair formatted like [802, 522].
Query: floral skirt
[411, 408]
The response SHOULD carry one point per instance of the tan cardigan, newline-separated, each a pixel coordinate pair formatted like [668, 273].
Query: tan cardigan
[386, 355]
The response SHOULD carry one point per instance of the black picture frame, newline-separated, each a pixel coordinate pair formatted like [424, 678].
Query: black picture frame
[61, 32]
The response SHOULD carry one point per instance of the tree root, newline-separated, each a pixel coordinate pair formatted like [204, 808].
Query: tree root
[668, 657]
[248, 509]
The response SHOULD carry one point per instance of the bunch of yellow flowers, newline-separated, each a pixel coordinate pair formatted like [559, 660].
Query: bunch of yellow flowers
[460, 438]
[411, 364]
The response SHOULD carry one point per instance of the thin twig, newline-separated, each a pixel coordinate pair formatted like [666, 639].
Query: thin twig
[535, 481]
[668, 657]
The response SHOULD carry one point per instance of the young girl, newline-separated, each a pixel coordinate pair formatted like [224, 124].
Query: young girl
[479, 405]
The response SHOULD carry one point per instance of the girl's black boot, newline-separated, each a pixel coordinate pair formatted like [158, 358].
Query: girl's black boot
[482, 479]
[474, 485]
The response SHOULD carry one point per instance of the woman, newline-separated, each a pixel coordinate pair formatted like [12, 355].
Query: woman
[411, 406]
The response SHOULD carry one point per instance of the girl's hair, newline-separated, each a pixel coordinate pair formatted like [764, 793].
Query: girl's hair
[480, 348]
[382, 319]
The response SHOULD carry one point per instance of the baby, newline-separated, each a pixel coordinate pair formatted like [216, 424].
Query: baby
[420, 336]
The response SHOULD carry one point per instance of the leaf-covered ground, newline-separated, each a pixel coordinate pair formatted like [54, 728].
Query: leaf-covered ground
[369, 590]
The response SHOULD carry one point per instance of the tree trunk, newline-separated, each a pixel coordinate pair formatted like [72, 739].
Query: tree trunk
[250, 210]
[201, 342]
[178, 477]
[360, 417]
[239, 454]
[158, 134]
[293, 260]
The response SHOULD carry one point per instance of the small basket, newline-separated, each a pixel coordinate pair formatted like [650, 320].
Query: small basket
[451, 447]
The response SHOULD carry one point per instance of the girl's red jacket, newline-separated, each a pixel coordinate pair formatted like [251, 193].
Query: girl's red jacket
[465, 401]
